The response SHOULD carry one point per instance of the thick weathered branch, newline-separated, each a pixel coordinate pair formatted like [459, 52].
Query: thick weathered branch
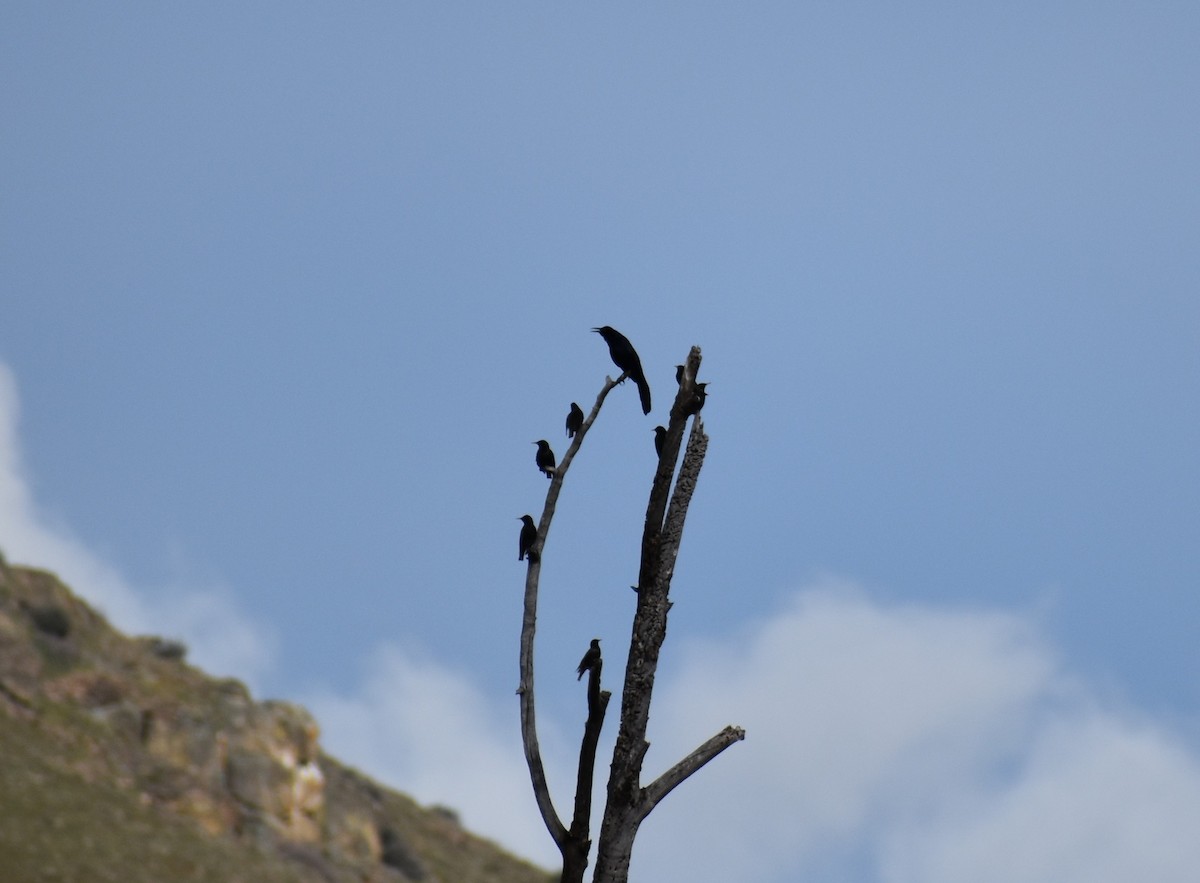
[685, 486]
[660, 490]
[661, 536]
[650, 620]
[664, 784]
[533, 753]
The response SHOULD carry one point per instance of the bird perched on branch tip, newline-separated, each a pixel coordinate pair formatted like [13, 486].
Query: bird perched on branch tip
[574, 420]
[590, 659]
[528, 535]
[625, 357]
[544, 458]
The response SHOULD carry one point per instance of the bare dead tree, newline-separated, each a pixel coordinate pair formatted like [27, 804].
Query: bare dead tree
[629, 802]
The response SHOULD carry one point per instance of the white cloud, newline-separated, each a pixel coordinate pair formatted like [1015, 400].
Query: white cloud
[884, 743]
[912, 744]
[428, 731]
[219, 638]
[1100, 799]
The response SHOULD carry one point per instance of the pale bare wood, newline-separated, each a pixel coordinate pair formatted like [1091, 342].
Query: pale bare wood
[666, 783]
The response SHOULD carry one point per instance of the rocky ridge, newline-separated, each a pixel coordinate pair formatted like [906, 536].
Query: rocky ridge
[120, 761]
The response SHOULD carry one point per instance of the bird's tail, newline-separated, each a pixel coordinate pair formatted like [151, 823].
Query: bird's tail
[644, 392]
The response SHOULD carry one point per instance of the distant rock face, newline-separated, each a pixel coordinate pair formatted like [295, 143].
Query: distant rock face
[199, 746]
[132, 712]
[254, 767]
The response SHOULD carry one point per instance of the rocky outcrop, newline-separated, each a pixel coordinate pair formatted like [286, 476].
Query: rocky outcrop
[131, 712]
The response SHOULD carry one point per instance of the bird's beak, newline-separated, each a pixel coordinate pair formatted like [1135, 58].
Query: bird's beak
[595, 329]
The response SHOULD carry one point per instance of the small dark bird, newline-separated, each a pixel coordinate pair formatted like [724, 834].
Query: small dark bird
[660, 435]
[679, 375]
[545, 458]
[590, 659]
[697, 401]
[625, 357]
[528, 535]
[574, 420]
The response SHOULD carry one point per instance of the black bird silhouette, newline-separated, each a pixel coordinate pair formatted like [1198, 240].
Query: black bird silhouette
[697, 400]
[544, 458]
[625, 357]
[528, 535]
[660, 435]
[679, 375]
[574, 420]
[590, 659]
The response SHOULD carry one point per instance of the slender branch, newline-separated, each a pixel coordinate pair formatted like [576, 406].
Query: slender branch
[533, 752]
[597, 706]
[575, 857]
[664, 784]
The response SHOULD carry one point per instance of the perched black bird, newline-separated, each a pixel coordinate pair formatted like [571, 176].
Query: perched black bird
[544, 458]
[660, 435]
[574, 420]
[590, 659]
[697, 401]
[625, 357]
[528, 535]
[679, 375]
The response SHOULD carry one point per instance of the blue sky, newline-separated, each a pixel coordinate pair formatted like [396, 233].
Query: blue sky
[287, 293]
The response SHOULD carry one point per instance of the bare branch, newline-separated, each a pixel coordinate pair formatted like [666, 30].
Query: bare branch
[597, 706]
[664, 784]
[685, 486]
[533, 753]
[579, 844]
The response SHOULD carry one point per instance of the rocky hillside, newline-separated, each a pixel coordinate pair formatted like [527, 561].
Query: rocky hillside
[120, 762]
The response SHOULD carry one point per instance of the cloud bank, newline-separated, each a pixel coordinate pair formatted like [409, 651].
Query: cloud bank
[219, 637]
[914, 745]
[897, 744]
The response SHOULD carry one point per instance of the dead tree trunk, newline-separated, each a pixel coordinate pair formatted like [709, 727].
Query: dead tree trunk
[628, 801]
